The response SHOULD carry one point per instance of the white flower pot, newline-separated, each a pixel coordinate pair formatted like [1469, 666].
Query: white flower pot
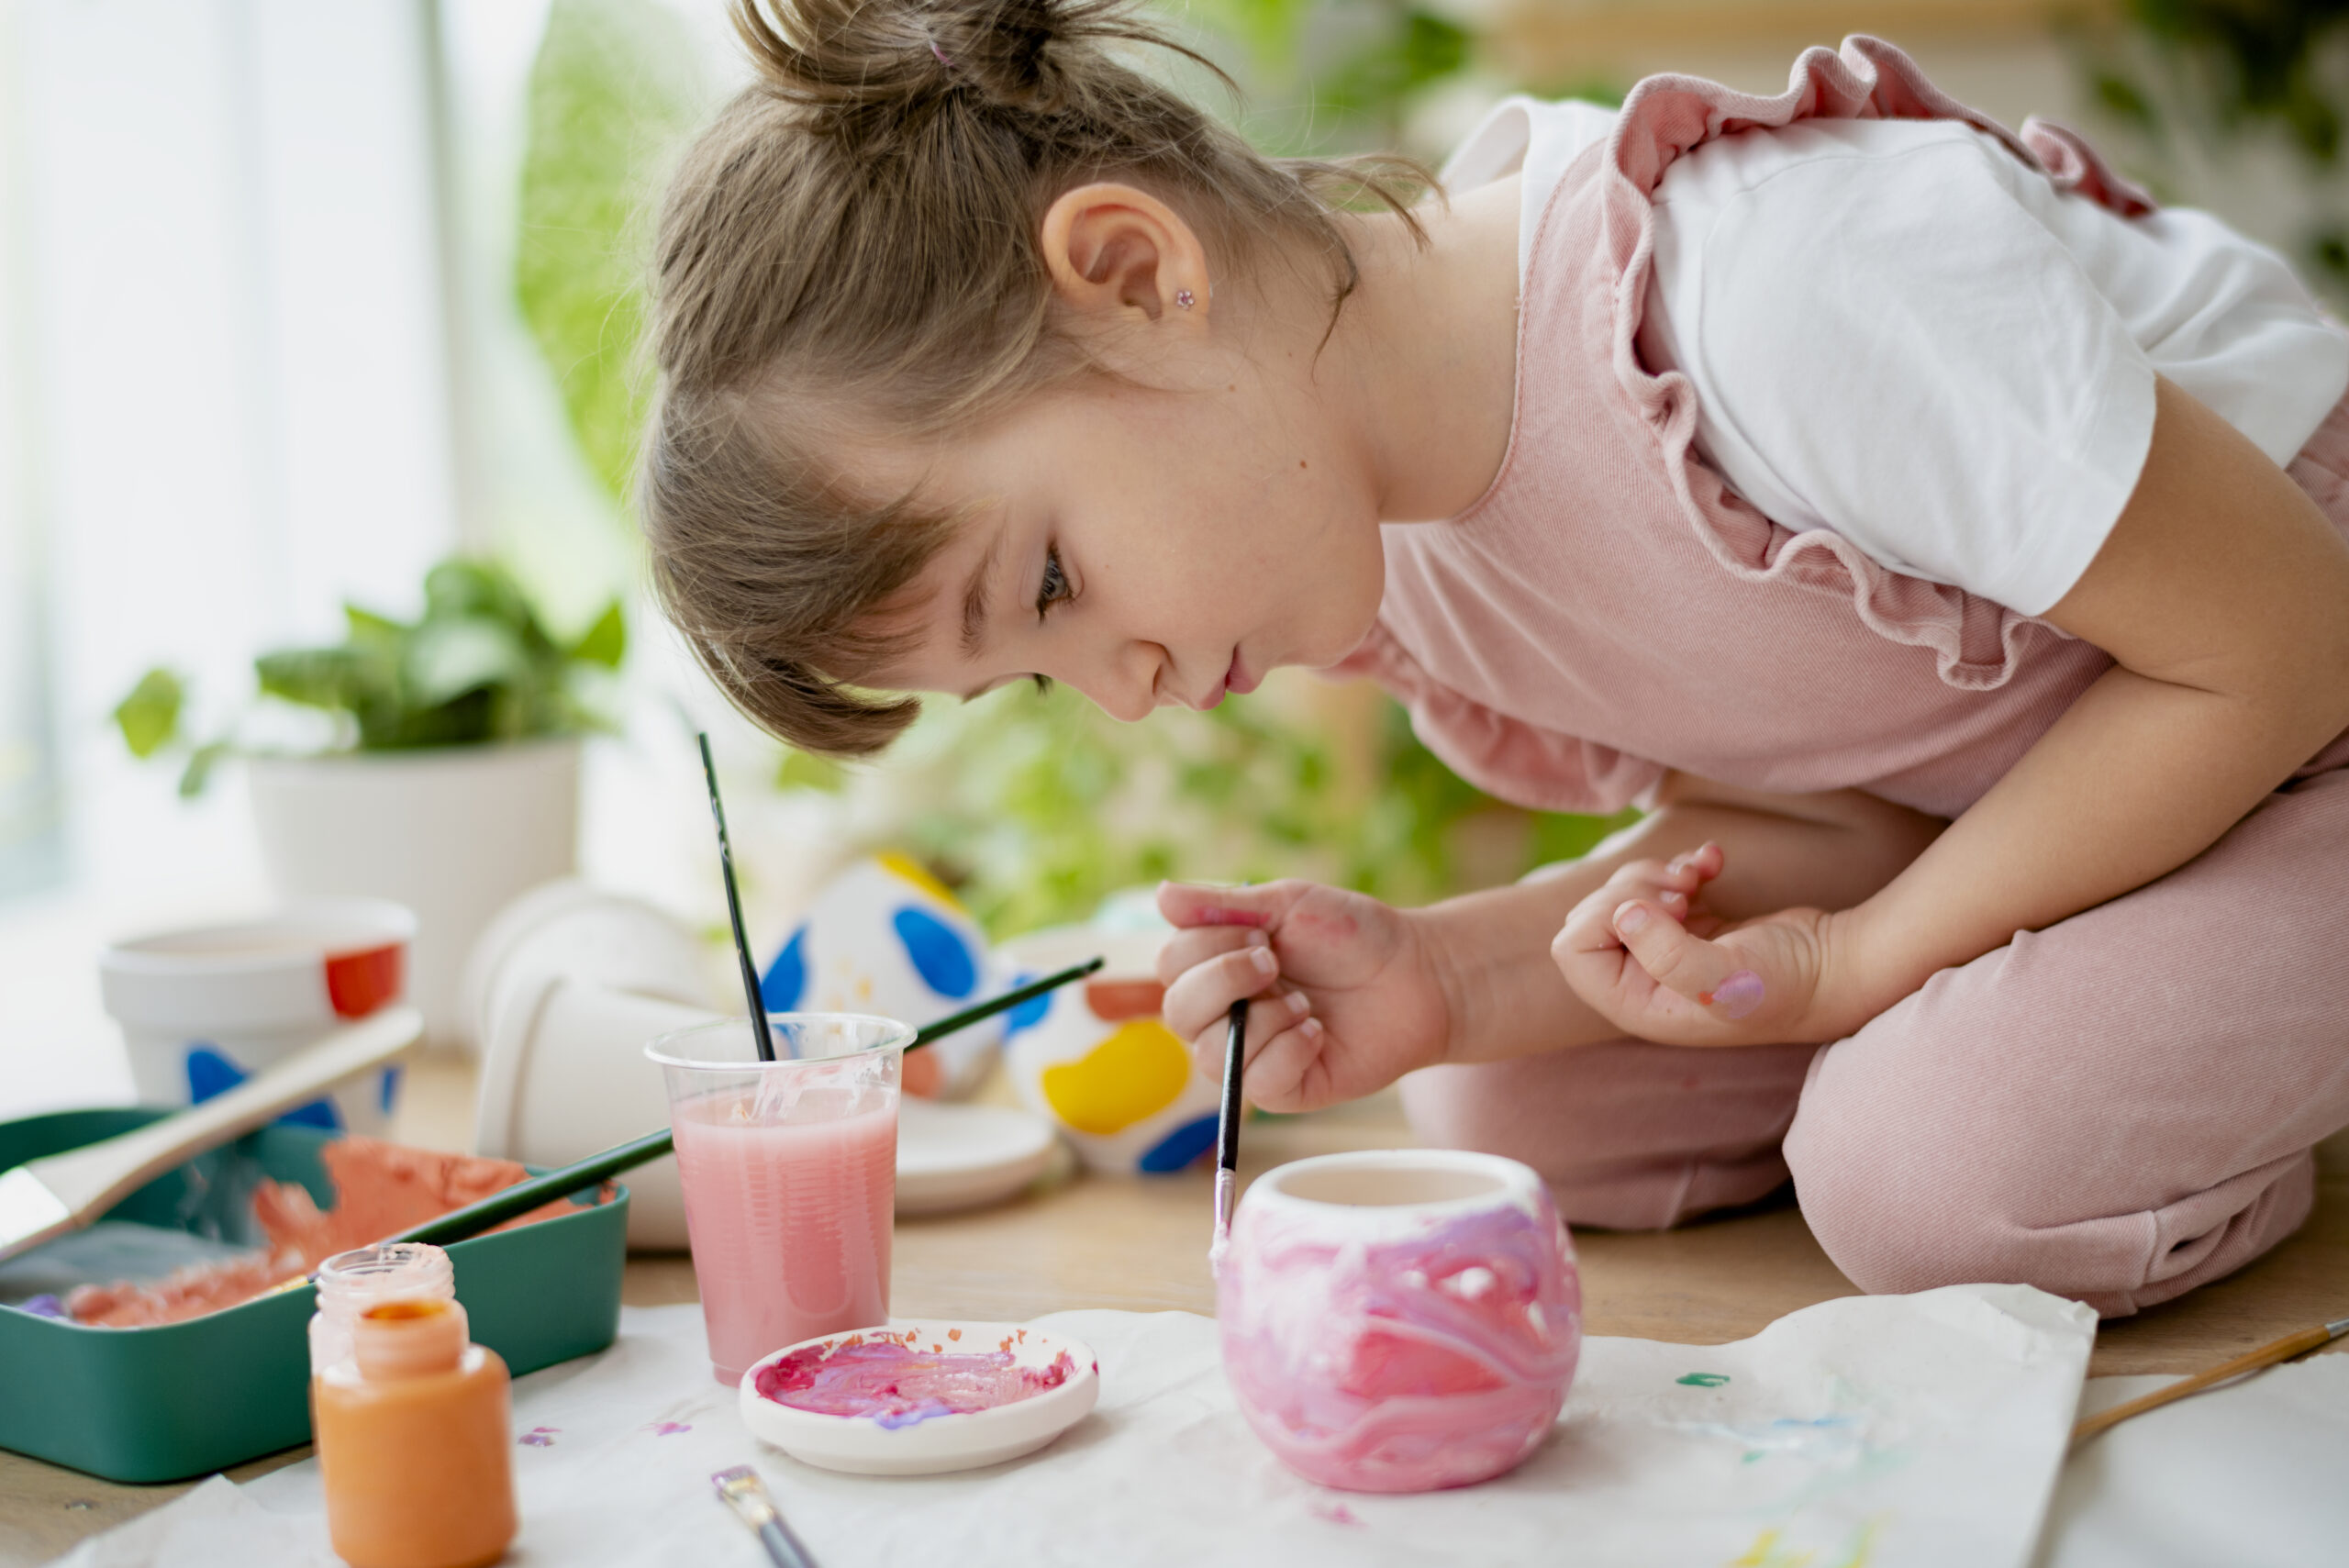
[455, 833]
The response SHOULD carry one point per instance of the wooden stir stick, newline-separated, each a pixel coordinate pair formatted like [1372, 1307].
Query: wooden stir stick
[2285, 1349]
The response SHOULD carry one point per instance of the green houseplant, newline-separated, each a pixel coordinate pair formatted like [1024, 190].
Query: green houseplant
[476, 666]
[450, 780]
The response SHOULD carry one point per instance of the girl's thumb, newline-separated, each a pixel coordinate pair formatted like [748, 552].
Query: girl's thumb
[1188, 904]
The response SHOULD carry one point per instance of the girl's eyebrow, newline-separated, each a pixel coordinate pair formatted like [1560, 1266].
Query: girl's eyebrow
[974, 598]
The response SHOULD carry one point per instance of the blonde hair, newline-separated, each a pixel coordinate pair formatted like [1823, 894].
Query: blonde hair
[858, 231]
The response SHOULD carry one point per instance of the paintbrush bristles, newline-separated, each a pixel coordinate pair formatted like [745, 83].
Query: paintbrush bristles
[742, 1491]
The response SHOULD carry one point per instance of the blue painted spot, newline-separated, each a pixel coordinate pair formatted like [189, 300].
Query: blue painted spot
[937, 950]
[1180, 1147]
[320, 1114]
[210, 1073]
[1029, 1014]
[387, 1089]
[787, 977]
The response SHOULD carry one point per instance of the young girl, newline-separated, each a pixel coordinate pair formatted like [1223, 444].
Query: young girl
[1944, 546]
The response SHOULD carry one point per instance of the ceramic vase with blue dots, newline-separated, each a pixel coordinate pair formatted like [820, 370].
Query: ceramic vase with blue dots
[886, 937]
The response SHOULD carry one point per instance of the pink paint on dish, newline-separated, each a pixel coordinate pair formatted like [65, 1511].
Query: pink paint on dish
[897, 1383]
[1401, 1321]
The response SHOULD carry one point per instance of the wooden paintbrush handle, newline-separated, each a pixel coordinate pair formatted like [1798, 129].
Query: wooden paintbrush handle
[2285, 1349]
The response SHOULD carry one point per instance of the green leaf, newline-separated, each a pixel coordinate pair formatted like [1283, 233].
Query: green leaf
[614, 91]
[198, 771]
[805, 769]
[329, 678]
[149, 716]
[368, 629]
[463, 585]
[449, 657]
[605, 642]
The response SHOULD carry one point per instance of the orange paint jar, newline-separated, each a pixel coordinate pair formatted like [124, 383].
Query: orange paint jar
[415, 1442]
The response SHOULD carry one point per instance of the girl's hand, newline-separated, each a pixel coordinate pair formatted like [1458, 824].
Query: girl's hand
[1346, 993]
[1642, 951]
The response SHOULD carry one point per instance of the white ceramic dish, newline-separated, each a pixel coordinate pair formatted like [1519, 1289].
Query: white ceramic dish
[861, 1446]
[956, 1156]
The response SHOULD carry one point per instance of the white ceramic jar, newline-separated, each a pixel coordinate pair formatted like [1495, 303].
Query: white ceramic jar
[1399, 1321]
[203, 1007]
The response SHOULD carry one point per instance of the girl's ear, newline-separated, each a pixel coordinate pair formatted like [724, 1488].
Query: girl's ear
[1116, 251]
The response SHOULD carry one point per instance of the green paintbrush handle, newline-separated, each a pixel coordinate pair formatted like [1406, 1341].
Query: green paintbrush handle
[1004, 1003]
[525, 1195]
[598, 1169]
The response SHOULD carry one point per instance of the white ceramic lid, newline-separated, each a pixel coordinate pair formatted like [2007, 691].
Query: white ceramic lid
[959, 1156]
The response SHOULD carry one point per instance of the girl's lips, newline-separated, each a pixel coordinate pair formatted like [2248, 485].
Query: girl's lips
[1237, 678]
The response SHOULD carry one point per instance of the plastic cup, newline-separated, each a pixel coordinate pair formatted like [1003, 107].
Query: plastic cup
[790, 1175]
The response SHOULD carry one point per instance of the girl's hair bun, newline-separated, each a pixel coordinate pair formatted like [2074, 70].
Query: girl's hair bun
[848, 55]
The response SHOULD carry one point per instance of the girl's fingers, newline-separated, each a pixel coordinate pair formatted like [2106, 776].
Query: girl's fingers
[1669, 885]
[1269, 1016]
[1704, 863]
[1201, 995]
[1702, 971]
[1187, 951]
[1275, 1077]
[1191, 903]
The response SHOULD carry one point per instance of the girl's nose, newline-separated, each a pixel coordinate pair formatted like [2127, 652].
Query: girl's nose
[1125, 685]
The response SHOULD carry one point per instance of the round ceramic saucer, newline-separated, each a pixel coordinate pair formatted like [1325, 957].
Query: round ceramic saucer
[959, 1156]
[929, 1445]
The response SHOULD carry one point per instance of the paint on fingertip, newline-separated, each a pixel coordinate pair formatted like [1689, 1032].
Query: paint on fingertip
[1737, 995]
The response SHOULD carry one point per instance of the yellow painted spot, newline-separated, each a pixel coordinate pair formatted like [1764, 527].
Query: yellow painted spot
[1766, 1553]
[1137, 1072]
[1769, 1551]
[903, 866]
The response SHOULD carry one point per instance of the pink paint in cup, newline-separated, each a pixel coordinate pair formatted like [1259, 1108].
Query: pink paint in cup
[1399, 1321]
[789, 1170]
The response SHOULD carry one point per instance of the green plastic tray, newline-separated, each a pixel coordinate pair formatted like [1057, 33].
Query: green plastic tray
[185, 1399]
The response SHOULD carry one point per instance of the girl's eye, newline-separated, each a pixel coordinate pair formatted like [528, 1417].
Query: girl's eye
[1053, 589]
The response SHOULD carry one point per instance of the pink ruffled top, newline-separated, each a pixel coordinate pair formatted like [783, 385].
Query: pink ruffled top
[1609, 609]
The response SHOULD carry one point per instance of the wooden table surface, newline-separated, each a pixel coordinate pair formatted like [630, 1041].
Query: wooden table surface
[1142, 1245]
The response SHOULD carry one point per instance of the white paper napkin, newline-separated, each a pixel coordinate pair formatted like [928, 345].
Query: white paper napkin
[1890, 1430]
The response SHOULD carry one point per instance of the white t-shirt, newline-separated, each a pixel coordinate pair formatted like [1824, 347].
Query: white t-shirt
[1899, 332]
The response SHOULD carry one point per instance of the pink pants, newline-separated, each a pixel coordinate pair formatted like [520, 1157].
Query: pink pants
[2116, 1108]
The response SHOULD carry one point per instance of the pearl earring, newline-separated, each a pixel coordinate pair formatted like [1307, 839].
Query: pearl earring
[1185, 298]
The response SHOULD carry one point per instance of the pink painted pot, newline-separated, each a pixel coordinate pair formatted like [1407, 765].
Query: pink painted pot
[1400, 1320]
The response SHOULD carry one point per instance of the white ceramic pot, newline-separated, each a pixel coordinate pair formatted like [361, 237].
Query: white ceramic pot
[1399, 1321]
[455, 833]
[204, 1008]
